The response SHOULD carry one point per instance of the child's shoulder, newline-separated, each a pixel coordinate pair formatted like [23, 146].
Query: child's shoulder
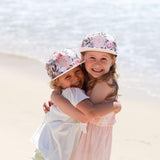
[72, 90]
[100, 86]
[103, 84]
[74, 95]
[100, 91]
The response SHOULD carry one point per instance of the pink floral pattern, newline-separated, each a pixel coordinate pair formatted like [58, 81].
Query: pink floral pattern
[64, 60]
[60, 63]
[59, 55]
[100, 40]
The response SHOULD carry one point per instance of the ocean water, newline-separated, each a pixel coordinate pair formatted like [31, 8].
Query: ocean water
[36, 28]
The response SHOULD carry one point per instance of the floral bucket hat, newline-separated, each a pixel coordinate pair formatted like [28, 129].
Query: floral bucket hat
[100, 42]
[62, 62]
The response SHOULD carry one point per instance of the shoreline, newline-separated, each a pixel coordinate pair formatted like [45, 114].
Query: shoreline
[25, 87]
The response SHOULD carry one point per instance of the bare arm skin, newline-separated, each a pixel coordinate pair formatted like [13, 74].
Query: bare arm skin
[85, 108]
[98, 110]
[68, 108]
[101, 92]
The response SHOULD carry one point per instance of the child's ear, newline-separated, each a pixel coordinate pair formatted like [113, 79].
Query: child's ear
[114, 61]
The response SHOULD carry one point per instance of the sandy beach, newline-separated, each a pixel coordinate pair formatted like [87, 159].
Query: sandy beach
[24, 88]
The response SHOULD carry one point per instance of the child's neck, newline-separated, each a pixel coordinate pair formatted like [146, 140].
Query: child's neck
[92, 78]
[93, 81]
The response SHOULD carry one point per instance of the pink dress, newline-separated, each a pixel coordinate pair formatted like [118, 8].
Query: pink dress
[96, 143]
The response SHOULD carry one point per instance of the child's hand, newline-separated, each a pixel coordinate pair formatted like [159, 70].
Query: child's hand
[46, 106]
[117, 107]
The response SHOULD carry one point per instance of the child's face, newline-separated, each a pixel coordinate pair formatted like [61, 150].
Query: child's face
[98, 63]
[73, 78]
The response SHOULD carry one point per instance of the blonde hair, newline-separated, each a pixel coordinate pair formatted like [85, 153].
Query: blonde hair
[110, 78]
[54, 84]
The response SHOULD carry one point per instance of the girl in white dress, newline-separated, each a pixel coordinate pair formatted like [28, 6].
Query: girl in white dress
[59, 134]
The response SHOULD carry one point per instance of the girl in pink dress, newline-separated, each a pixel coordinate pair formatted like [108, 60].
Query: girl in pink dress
[99, 52]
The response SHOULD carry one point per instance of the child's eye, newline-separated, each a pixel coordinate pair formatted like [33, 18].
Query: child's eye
[77, 70]
[67, 77]
[104, 59]
[91, 58]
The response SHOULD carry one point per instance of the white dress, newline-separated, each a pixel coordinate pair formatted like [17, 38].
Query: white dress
[59, 134]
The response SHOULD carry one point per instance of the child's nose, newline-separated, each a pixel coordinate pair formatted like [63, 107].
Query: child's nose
[75, 78]
[97, 62]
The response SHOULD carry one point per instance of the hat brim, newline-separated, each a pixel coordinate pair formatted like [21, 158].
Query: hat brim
[97, 49]
[51, 83]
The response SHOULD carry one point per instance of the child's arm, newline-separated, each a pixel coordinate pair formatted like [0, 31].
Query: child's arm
[68, 108]
[86, 107]
[100, 109]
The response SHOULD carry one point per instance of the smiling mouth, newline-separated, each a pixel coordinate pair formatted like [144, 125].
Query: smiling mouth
[78, 84]
[97, 70]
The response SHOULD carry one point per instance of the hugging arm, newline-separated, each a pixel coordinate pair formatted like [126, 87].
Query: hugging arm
[100, 109]
[67, 107]
[85, 108]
